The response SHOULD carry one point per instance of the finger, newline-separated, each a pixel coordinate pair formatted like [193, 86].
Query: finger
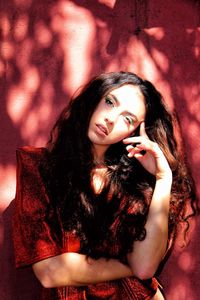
[136, 149]
[141, 149]
[129, 148]
[133, 140]
[142, 130]
[137, 153]
[139, 156]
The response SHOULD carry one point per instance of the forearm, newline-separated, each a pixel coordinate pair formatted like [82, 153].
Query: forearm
[148, 253]
[73, 269]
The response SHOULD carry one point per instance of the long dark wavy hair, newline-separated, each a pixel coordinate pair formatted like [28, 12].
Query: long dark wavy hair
[69, 164]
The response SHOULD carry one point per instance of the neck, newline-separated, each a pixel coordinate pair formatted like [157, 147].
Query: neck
[99, 155]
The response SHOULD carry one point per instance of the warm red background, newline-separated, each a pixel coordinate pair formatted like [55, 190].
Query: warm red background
[51, 47]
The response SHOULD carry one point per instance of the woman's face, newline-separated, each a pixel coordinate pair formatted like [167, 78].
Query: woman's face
[117, 116]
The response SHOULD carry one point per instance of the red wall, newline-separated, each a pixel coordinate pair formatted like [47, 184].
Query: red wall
[51, 47]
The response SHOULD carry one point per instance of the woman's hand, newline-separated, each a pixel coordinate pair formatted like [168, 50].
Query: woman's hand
[148, 153]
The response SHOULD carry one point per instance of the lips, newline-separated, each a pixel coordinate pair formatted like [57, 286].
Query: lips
[102, 129]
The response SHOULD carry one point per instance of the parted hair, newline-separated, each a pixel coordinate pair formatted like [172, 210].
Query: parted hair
[69, 163]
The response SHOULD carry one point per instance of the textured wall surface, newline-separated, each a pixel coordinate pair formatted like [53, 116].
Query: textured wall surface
[48, 48]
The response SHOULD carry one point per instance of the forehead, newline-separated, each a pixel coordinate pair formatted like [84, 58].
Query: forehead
[131, 99]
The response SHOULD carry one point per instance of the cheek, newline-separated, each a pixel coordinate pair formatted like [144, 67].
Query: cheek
[97, 114]
[122, 131]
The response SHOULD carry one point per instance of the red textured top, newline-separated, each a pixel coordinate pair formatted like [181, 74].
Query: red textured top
[35, 238]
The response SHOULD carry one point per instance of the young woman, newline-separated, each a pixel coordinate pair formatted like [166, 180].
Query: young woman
[96, 211]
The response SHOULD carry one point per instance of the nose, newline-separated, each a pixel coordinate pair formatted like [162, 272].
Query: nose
[111, 116]
[110, 119]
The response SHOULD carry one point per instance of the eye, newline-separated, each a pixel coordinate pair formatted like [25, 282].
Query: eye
[109, 101]
[129, 119]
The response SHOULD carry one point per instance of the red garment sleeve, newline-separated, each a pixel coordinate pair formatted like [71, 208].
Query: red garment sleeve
[33, 237]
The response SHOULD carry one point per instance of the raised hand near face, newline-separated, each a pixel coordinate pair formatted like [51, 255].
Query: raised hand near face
[148, 153]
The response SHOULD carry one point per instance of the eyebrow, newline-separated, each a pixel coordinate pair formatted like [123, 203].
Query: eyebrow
[128, 112]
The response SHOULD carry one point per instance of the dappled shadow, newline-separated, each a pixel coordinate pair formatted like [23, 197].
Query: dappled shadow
[33, 58]
[51, 47]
